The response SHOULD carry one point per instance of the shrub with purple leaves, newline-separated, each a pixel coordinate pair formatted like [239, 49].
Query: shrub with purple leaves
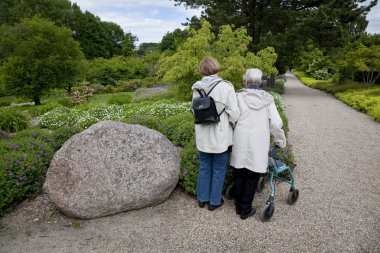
[25, 157]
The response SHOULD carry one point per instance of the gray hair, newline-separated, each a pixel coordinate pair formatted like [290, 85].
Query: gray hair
[252, 76]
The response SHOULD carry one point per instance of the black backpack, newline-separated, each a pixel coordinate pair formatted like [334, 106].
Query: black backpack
[204, 109]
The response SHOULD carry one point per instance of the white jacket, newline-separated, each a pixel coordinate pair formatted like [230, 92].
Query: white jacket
[216, 138]
[258, 119]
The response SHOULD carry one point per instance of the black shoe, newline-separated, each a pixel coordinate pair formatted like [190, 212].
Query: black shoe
[253, 211]
[237, 211]
[201, 204]
[212, 207]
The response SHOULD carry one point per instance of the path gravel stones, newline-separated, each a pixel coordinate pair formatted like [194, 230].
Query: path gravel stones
[338, 157]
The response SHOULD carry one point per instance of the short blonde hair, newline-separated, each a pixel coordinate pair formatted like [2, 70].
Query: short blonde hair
[209, 66]
[252, 76]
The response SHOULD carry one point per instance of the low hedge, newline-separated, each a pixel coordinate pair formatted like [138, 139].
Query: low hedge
[366, 100]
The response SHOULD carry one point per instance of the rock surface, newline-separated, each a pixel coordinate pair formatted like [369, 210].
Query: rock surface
[112, 167]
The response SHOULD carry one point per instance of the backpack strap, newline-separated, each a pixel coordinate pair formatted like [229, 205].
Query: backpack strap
[208, 93]
[222, 111]
[202, 94]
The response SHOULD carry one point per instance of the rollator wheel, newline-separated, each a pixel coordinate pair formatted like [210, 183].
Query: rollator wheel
[293, 196]
[230, 192]
[260, 184]
[267, 213]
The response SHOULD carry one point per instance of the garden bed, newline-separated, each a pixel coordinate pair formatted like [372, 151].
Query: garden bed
[27, 151]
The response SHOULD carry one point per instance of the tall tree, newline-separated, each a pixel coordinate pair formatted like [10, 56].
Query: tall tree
[172, 40]
[146, 48]
[287, 24]
[97, 38]
[36, 56]
[12, 11]
[128, 47]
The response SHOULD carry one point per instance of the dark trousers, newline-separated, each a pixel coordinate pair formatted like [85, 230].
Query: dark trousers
[245, 183]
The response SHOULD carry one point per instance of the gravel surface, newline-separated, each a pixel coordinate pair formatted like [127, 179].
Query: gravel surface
[337, 151]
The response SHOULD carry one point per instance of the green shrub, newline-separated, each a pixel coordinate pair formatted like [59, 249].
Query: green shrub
[35, 111]
[188, 175]
[148, 121]
[98, 88]
[321, 74]
[12, 120]
[62, 134]
[367, 101]
[375, 112]
[25, 159]
[65, 101]
[279, 105]
[149, 81]
[179, 128]
[119, 99]
[130, 85]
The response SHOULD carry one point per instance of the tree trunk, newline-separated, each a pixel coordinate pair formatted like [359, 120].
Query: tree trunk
[271, 81]
[37, 100]
[68, 88]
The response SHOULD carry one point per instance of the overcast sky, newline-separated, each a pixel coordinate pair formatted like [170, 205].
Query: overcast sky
[149, 20]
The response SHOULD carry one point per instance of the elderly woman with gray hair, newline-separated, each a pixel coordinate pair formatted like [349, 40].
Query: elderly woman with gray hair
[258, 120]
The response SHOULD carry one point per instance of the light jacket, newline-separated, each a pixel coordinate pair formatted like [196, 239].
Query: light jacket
[258, 119]
[216, 138]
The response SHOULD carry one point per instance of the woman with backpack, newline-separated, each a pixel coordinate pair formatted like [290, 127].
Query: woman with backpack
[258, 120]
[213, 137]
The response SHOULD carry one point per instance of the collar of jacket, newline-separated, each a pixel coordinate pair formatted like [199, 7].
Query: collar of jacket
[253, 86]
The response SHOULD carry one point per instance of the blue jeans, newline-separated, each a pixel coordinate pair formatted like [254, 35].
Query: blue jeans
[211, 174]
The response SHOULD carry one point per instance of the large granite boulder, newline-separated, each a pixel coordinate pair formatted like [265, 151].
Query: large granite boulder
[112, 167]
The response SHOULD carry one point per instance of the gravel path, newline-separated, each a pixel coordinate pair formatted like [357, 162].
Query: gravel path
[337, 151]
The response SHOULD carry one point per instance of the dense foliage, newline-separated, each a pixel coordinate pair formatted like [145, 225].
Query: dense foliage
[287, 25]
[97, 38]
[25, 159]
[229, 48]
[38, 56]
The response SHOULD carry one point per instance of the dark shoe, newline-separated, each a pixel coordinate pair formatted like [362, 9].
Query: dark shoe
[212, 207]
[201, 204]
[253, 211]
[238, 211]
